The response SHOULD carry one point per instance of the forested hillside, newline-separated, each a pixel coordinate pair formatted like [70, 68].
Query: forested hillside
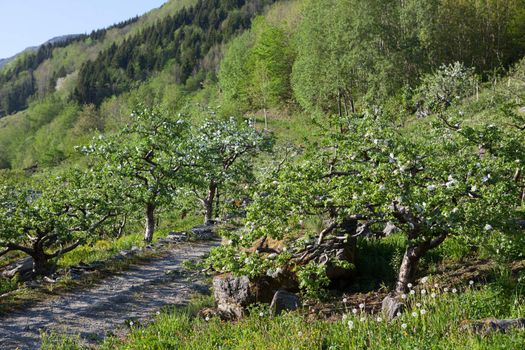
[366, 156]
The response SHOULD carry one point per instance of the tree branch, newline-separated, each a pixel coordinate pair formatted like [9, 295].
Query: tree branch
[65, 250]
[324, 232]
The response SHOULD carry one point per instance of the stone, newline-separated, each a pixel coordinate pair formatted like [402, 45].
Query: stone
[203, 232]
[284, 301]
[522, 110]
[493, 325]
[22, 268]
[232, 294]
[391, 306]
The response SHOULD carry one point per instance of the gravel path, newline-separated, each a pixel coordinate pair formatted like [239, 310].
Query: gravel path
[134, 294]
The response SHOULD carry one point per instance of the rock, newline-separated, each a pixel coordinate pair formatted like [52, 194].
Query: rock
[492, 325]
[22, 267]
[522, 110]
[390, 229]
[232, 294]
[49, 280]
[203, 232]
[391, 306]
[284, 301]
[33, 284]
[135, 249]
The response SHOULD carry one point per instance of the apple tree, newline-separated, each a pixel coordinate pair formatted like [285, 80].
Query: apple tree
[222, 156]
[146, 157]
[46, 218]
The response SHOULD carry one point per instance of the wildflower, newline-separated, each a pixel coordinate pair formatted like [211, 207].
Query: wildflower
[454, 290]
[158, 312]
[431, 187]
[345, 300]
[361, 306]
[433, 295]
[409, 285]
[344, 318]
[404, 325]
[300, 334]
[471, 282]
[131, 323]
[414, 314]
[403, 296]
[412, 292]
[207, 319]
[418, 305]
[398, 314]
[445, 289]
[379, 319]
[423, 311]
[261, 314]
[487, 227]
[362, 319]
[423, 291]
[436, 285]
[424, 280]
[350, 324]
[354, 311]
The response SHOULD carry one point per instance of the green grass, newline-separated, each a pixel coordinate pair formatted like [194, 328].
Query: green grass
[434, 324]
[103, 249]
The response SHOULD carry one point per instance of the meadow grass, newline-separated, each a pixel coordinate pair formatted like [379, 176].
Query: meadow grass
[433, 320]
[105, 248]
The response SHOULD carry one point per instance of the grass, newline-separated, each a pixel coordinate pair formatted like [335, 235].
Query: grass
[430, 322]
[103, 249]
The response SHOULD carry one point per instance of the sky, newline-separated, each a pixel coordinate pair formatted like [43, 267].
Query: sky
[25, 23]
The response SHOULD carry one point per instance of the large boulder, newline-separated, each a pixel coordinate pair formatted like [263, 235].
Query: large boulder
[284, 301]
[391, 307]
[232, 294]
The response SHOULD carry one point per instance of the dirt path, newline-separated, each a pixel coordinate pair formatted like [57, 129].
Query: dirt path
[134, 294]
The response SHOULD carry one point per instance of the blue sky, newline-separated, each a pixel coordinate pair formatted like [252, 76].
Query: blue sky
[25, 23]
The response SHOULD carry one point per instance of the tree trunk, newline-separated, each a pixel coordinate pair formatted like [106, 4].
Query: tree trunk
[208, 204]
[41, 264]
[408, 268]
[150, 222]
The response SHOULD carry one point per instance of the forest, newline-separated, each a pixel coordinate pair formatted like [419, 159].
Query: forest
[359, 163]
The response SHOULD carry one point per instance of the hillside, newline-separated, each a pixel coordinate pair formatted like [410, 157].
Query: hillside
[361, 161]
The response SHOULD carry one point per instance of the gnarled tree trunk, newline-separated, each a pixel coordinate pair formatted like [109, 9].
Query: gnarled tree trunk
[208, 203]
[150, 222]
[408, 269]
[410, 263]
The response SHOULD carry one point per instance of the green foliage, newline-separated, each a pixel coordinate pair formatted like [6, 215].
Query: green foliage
[186, 37]
[48, 218]
[255, 72]
[223, 154]
[448, 86]
[146, 158]
[313, 280]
